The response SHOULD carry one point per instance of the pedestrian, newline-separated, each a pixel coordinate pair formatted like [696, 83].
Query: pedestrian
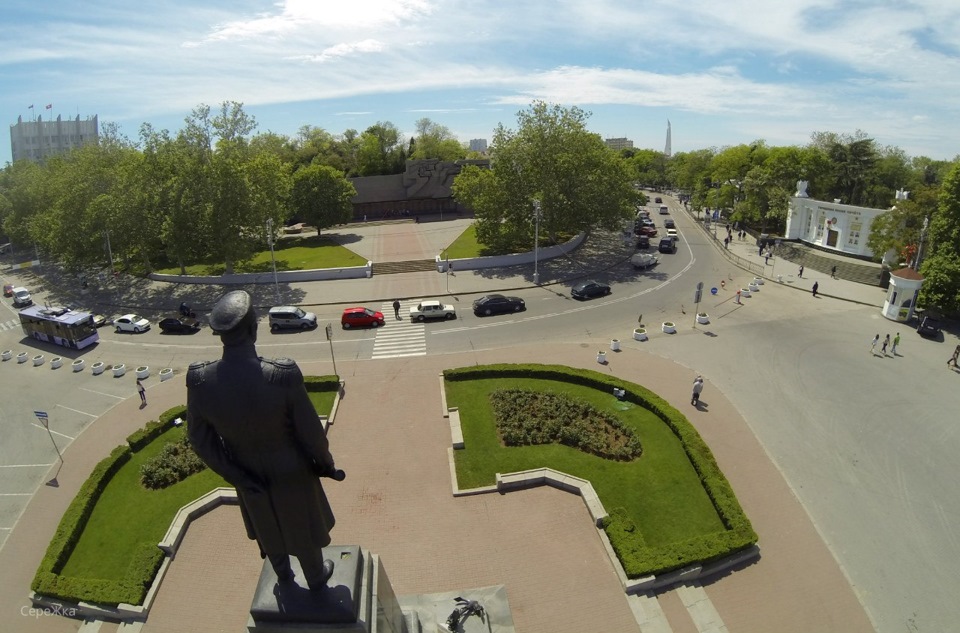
[800, 274]
[833, 272]
[815, 286]
[697, 388]
[886, 341]
[953, 359]
[738, 297]
[726, 242]
[760, 249]
[396, 308]
[766, 258]
[143, 393]
[873, 344]
[896, 341]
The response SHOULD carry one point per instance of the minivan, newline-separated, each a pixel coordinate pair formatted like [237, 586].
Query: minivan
[667, 245]
[291, 317]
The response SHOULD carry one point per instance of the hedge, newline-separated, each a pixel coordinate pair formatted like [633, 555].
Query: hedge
[322, 383]
[155, 428]
[637, 559]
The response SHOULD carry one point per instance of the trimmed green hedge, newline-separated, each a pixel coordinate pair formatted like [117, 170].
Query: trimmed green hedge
[636, 557]
[322, 383]
[155, 428]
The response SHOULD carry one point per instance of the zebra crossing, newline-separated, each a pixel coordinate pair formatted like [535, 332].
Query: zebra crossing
[399, 338]
[12, 324]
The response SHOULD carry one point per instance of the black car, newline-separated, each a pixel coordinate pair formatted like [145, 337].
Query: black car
[929, 327]
[179, 325]
[658, 200]
[589, 289]
[643, 242]
[667, 245]
[669, 224]
[497, 304]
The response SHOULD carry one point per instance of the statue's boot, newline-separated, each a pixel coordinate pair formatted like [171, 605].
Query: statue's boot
[324, 574]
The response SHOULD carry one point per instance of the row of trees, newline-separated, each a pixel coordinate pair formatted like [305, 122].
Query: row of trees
[211, 189]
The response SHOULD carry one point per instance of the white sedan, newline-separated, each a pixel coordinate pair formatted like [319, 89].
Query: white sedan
[131, 323]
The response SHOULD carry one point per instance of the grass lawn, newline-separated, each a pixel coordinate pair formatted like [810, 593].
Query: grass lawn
[292, 253]
[660, 491]
[128, 514]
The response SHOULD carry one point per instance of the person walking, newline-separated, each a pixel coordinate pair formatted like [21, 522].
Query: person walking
[800, 274]
[873, 344]
[833, 272]
[816, 285]
[953, 359]
[143, 393]
[886, 341]
[697, 389]
[896, 341]
[738, 296]
[396, 308]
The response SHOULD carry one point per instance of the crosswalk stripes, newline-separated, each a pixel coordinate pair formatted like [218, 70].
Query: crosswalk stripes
[399, 338]
[12, 324]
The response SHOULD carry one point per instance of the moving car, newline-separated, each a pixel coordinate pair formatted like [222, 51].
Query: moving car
[497, 304]
[589, 289]
[432, 310]
[291, 317]
[641, 261]
[667, 245]
[360, 317]
[664, 210]
[658, 200]
[929, 327]
[21, 297]
[179, 325]
[669, 224]
[672, 233]
[131, 323]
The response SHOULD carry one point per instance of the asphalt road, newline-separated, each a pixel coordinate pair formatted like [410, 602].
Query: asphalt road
[867, 443]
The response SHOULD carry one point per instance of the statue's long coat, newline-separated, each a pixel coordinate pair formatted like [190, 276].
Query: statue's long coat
[252, 422]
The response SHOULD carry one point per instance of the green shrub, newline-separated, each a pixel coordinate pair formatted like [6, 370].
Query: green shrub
[155, 428]
[525, 417]
[322, 383]
[175, 462]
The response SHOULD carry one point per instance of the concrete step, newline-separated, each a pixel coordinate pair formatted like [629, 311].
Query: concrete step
[413, 266]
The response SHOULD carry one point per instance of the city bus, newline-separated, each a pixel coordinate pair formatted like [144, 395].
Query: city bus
[62, 326]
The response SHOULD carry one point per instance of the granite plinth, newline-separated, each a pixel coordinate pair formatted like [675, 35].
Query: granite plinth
[292, 602]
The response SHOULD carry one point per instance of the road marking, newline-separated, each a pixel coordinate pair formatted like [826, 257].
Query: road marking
[9, 325]
[92, 415]
[16, 494]
[40, 426]
[398, 339]
[100, 393]
[26, 465]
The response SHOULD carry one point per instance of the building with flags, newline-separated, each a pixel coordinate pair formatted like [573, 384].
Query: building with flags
[37, 139]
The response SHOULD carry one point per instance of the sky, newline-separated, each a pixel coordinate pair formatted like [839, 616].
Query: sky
[722, 73]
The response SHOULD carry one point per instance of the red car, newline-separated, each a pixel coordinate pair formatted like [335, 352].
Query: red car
[7, 290]
[360, 317]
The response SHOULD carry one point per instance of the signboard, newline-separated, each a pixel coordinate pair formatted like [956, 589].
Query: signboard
[43, 417]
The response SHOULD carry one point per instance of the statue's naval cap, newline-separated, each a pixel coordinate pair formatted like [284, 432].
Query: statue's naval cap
[229, 311]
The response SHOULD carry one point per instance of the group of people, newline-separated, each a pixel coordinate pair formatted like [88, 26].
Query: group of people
[886, 343]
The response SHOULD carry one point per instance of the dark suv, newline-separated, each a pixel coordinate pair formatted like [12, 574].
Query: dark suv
[667, 245]
[929, 327]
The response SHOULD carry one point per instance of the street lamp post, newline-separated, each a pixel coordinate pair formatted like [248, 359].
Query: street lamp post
[923, 236]
[536, 242]
[276, 283]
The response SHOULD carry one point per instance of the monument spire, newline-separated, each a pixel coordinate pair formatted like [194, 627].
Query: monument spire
[666, 149]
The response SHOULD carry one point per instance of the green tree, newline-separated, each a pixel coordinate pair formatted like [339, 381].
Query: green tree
[379, 151]
[649, 167]
[578, 182]
[321, 196]
[435, 141]
[941, 266]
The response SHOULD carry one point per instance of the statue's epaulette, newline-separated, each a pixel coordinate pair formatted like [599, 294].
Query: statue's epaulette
[197, 371]
[280, 371]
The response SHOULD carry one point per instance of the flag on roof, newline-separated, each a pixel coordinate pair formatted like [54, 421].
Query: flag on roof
[31, 107]
[49, 105]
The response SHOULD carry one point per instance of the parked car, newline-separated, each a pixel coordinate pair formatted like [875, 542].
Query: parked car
[669, 224]
[291, 317]
[929, 327]
[99, 320]
[667, 245]
[131, 323]
[643, 242]
[360, 317]
[647, 230]
[497, 304]
[432, 310]
[589, 289]
[7, 290]
[179, 325]
[641, 261]
[21, 297]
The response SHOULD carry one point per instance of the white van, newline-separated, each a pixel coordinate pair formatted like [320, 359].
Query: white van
[291, 317]
[664, 210]
[21, 297]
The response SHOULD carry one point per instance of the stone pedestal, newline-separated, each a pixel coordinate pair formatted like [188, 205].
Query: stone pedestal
[358, 598]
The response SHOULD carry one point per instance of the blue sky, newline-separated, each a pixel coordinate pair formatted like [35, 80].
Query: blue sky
[723, 73]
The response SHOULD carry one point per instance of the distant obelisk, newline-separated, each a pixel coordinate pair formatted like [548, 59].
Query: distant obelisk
[666, 149]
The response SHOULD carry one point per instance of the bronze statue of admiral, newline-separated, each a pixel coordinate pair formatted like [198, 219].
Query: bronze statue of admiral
[251, 421]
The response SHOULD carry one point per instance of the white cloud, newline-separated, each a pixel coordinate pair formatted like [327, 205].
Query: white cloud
[342, 50]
